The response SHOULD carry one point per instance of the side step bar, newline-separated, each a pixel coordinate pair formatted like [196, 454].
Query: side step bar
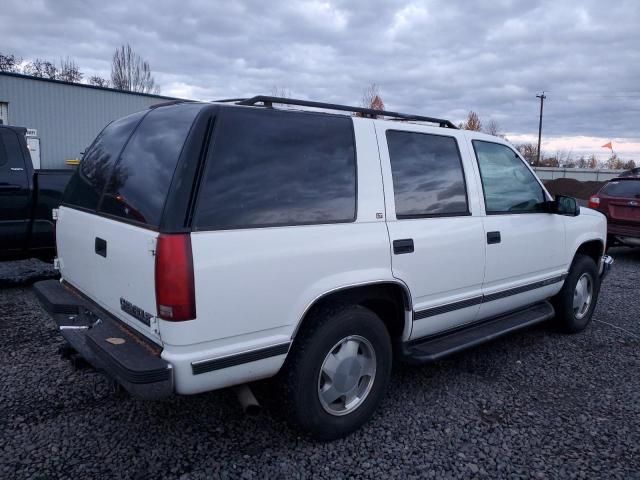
[433, 348]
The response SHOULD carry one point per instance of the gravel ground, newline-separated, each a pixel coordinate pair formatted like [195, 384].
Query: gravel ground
[25, 272]
[534, 405]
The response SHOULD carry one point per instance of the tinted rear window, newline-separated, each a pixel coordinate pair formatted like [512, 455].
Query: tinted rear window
[623, 188]
[140, 180]
[427, 175]
[87, 183]
[270, 167]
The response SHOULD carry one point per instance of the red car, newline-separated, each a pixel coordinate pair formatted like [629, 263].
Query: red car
[619, 200]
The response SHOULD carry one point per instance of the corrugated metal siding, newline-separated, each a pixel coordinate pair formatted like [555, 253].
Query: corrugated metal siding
[67, 117]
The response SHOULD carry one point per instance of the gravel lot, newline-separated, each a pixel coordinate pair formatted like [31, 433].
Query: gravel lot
[534, 405]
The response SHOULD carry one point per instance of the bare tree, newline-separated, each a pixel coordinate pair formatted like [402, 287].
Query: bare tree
[472, 122]
[10, 63]
[69, 71]
[281, 92]
[98, 81]
[528, 150]
[493, 128]
[41, 69]
[592, 162]
[131, 72]
[371, 98]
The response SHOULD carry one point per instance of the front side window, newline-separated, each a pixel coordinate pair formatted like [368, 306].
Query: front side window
[427, 175]
[271, 168]
[509, 186]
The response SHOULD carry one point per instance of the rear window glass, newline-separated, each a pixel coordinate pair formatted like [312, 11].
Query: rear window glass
[270, 168]
[139, 182]
[623, 188]
[427, 175]
[87, 183]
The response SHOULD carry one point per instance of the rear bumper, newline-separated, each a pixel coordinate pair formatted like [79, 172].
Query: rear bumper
[605, 266]
[106, 343]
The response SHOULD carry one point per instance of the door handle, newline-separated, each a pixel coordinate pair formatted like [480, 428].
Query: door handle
[10, 188]
[101, 247]
[404, 245]
[493, 237]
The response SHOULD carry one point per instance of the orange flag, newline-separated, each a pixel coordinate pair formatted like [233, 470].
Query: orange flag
[608, 145]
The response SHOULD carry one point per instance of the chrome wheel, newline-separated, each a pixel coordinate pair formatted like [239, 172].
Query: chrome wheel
[582, 296]
[347, 375]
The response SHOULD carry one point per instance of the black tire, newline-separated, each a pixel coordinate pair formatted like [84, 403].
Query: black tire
[300, 376]
[567, 319]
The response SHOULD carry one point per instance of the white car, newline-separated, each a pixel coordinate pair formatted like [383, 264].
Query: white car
[208, 245]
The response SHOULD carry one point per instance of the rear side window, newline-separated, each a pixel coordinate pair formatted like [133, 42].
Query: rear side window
[140, 180]
[87, 183]
[270, 168]
[427, 175]
[622, 188]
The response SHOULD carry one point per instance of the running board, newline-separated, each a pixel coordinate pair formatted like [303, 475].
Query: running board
[436, 347]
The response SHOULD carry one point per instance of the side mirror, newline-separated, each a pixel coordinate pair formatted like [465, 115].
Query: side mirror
[564, 205]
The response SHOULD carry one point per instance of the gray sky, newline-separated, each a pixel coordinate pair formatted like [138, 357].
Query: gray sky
[438, 58]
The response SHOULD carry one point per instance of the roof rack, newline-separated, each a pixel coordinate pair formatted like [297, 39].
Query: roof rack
[229, 100]
[268, 101]
[168, 103]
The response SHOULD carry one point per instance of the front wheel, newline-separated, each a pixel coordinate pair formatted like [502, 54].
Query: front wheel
[337, 371]
[577, 300]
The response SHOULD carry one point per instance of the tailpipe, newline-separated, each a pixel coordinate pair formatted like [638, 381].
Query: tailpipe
[247, 399]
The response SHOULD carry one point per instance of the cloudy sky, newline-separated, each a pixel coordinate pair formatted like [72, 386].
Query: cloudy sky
[438, 58]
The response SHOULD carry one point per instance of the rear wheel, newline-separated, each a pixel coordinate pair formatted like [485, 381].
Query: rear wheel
[577, 300]
[337, 371]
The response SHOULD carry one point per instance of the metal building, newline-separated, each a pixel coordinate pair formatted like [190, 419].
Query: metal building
[63, 118]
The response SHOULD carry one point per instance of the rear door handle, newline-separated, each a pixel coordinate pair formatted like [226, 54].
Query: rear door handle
[493, 237]
[101, 247]
[404, 245]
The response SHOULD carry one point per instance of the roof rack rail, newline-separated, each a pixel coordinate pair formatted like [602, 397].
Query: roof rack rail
[268, 101]
[229, 100]
[169, 102]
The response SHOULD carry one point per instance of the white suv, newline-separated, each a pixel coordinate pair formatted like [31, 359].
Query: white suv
[206, 245]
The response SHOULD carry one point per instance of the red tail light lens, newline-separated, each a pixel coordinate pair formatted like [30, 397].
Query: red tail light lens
[175, 289]
[594, 201]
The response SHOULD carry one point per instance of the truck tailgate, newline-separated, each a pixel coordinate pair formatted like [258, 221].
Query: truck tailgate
[112, 263]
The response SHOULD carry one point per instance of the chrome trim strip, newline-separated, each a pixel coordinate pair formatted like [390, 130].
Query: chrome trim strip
[234, 359]
[450, 307]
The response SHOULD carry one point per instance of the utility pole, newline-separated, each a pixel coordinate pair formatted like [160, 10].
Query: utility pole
[541, 97]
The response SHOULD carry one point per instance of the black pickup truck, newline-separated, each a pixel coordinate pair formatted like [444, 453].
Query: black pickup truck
[27, 198]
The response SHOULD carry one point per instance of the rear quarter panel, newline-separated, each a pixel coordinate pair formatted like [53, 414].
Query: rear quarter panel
[253, 286]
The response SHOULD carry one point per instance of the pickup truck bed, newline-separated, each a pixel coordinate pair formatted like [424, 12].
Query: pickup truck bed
[27, 198]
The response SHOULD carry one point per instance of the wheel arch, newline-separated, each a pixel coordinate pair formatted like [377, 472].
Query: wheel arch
[593, 248]
[389, 299]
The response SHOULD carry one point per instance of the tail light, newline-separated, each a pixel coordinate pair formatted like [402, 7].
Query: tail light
[594, 201]
[175, 289]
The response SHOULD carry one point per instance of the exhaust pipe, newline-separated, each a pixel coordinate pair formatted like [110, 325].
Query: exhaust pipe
[247, 400]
